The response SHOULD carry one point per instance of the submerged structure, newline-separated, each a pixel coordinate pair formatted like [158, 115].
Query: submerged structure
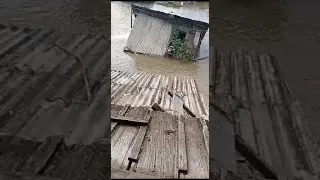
[152, 32]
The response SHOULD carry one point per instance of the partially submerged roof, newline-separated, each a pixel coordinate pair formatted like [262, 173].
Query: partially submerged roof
[144, 89]
[192, 24]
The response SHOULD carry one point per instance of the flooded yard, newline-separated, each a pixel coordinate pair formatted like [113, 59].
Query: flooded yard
[120, 30]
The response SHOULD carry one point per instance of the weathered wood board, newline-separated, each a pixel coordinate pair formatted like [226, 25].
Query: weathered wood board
[159, 153]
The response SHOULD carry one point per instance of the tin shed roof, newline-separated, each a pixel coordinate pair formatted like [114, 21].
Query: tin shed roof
[203, 26]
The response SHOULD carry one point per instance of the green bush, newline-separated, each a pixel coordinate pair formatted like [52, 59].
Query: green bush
[179, 46]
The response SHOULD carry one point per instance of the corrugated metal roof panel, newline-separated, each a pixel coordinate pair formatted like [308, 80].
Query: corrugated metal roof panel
[249, 87]
[42, 87]
[149, 35]
[143, 89]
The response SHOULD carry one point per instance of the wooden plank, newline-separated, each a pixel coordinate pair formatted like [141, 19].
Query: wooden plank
[247, 152]
[159, 156]
[121, 143]
[130, 120]
[183, 161]
[182, 151]
[205, 132]
[46, 150]
[122, 112]
[156, 107]
[115, 109]
[197, 154]
[124, 136]
[122, 174]
[137, 144]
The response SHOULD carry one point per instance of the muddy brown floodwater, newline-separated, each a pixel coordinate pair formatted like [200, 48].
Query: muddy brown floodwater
[120, 30]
